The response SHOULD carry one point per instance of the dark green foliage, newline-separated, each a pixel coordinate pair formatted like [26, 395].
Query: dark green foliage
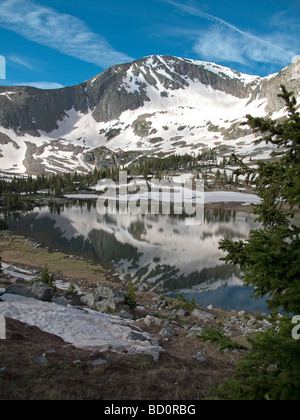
[130, 297]
[156, 166]
[188, 306]
[19, 191]
[270, 261]
[3, 225]
[72, 291]
[47, 278]
[270, 371]
[216, 336]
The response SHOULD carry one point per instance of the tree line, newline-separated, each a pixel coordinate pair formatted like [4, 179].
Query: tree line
[16, 190]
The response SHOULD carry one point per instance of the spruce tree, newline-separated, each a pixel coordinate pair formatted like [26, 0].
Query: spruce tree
[47, 278]
[270, 262]
[130, 297]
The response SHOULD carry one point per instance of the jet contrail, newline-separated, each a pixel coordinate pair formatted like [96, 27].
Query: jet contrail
[196, 12]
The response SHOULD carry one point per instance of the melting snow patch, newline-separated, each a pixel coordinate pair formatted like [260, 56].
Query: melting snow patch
[83, 328]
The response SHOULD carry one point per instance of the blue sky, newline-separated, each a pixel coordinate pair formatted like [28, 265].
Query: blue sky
[54, 43]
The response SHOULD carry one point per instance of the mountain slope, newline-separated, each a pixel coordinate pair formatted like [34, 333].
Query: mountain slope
[158, 105]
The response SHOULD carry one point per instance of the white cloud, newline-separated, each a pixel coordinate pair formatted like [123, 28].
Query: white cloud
[62, 32]
[219, 43]
[40, 85]
[225, 42]
[20, 61]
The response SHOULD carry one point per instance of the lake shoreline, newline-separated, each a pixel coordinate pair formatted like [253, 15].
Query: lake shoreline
[194, 366]
[37, 251]
[25, 254]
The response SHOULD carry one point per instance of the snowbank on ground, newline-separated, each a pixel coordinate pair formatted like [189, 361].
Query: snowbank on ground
[209, 197]
[83, 328]
[230, 197]
[17, 272]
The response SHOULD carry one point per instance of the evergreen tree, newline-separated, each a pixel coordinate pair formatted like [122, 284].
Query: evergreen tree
[47, 278]
[270, 263]
[131, 297]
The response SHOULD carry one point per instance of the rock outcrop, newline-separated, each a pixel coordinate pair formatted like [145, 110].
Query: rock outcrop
[39, 291]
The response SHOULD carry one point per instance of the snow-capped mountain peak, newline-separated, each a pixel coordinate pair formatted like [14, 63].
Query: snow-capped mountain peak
[158, 105]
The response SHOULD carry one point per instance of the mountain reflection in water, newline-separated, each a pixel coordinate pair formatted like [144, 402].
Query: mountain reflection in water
[159, 253]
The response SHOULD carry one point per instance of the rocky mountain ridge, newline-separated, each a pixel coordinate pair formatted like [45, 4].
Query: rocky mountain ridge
[160, 105]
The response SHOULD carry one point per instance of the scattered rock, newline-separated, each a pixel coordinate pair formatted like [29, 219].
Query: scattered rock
[39, 291]
[50, 352]
[137, 336]
[104, 293]
[203, 315]
[89, 300]
[62, 300]
[125, 314]
[41, 360]
[168, 332]
[98, 363]
[154, 352]
[200, 356]
[119, 349]
[164, 304]
[18, 289]
[4, 281]
[169, 315]
[182, 312]
[105, 305]
[153, 313]
[152, 320]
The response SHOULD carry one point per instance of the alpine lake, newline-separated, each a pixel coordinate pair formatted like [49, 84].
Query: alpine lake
[160, 253]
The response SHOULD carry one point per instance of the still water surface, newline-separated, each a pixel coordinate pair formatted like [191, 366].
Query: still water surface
[159, 253]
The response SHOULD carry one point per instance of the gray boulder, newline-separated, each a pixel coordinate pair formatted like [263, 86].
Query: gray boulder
[41, 360]
[113, 297]
[39, 291]
[152, 320]
[62, 300]
[135, 336]
[182, 312]
[200, 356]
[124, 314]
[89, 300]
[168, 332]
[106, 304]
[18, 289]
[154, 352]
[98, 363]
[105, 292]
[203, 315]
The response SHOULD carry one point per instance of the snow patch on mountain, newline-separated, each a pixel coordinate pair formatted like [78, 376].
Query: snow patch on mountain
[159, 105]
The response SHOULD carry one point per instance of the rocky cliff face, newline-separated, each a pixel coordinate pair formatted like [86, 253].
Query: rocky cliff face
[159, 104]
[270, 86]
[27, 109]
